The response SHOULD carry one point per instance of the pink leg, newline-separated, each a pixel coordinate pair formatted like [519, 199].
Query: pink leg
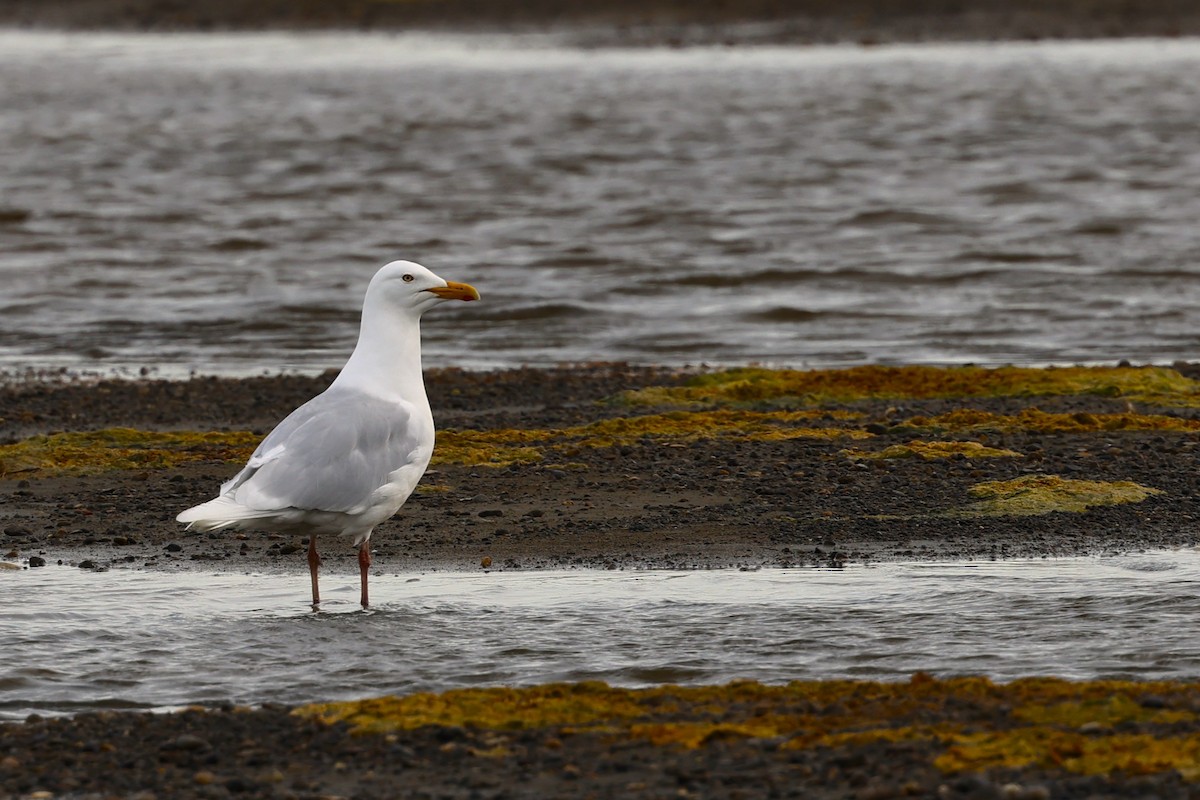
[364, 564]
[314, 561]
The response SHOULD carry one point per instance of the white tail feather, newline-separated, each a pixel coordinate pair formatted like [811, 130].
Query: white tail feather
[223, 512]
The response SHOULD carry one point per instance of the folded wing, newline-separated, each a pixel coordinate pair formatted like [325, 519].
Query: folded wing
[330, 454]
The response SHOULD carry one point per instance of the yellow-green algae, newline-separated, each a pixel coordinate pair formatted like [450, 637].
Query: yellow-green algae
[509, 445]
[1137, 754]
[492, 448]
[1046, 722]
[121, 448]
[751, 385]
[1107, 711]
[932, 450]
[686, 426]
[1042, 494]
[1031, 419]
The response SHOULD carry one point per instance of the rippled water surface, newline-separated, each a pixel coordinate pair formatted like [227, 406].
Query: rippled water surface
[219, 202]
[75, 640]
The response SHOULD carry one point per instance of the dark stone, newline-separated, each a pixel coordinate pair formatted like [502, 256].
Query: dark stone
[188, 742]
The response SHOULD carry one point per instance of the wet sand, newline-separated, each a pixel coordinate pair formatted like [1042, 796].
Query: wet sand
[708, 500]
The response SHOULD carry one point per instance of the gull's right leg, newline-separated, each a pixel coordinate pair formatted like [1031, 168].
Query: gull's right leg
[314, 561]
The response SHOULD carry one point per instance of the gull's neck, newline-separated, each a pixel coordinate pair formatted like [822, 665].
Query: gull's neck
[386, 362]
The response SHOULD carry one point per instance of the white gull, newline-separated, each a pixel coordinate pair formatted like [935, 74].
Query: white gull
[347, 459]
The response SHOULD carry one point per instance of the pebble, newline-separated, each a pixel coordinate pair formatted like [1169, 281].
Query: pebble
[187, 741]
[271, 776]
[204, 777]
[37, 561]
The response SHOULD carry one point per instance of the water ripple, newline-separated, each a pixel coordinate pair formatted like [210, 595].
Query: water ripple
[125, 638]
[223, 199]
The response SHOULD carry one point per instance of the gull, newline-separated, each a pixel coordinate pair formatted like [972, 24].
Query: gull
[347, 459]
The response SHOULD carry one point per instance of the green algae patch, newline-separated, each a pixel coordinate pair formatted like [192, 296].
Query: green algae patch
[121, 449]
[494, 448]
[1042, 494]
[127, 449]
[505, 446]
[689, 426]
[967, 724]
[1105, 711]
[1133, 754]
[933, 450]
[497, 708]
[1061, 724]
[739, 708]
[970, 420]
[124, 448]
[753, 386]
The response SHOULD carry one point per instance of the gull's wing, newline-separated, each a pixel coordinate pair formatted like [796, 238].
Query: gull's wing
[330, 454]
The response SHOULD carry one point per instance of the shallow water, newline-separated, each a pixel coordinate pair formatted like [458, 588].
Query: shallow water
[218, 202]
[75, 640]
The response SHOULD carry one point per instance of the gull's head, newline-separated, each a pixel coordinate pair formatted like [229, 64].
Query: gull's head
[410, 287]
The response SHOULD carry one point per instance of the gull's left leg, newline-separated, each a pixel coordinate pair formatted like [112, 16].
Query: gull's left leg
[364, 565]
[314, 561]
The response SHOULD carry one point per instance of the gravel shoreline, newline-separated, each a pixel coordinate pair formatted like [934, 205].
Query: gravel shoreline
[650, 502]
[706, 501]
[963, 738]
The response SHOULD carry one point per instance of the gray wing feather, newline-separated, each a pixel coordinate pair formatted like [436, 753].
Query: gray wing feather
[329, 454]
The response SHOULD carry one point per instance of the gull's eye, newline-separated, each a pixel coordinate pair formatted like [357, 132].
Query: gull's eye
[408, 278]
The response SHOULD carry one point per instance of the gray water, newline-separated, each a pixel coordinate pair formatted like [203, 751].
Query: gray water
[72, 640]
[218, 202]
